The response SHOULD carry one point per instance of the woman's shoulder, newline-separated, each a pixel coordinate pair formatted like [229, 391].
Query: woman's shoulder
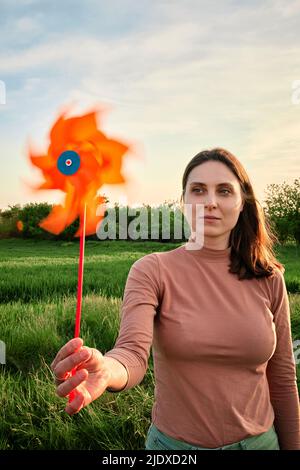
[153, 262]
[277, 276]
[275, 286]
[156, 256]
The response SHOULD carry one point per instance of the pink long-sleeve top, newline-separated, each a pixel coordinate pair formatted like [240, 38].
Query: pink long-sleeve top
[222, 348]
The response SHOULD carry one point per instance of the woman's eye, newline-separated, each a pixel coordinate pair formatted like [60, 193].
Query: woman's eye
[222, 190]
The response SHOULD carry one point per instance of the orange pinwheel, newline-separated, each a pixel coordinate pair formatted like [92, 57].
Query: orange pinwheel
[80, 159]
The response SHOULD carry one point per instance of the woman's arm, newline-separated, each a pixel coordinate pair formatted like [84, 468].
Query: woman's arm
[140, 301]
[119, 375]
[281, 371]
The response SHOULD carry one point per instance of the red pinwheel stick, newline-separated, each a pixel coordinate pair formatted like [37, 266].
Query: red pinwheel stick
[79, 288]
[80, 276]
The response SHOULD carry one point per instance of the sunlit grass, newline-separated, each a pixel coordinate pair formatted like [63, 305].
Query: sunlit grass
[38, 282]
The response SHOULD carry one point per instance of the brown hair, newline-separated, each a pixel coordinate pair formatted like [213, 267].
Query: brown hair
[251, 239]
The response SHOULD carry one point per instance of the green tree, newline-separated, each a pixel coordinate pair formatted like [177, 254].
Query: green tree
[282, 206]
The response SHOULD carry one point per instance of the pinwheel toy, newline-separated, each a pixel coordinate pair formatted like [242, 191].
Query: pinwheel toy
[80, 159]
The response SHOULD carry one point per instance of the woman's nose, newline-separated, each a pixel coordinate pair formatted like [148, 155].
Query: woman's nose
[210, 203]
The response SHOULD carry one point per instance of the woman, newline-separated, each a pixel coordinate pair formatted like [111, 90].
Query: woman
[217, 317]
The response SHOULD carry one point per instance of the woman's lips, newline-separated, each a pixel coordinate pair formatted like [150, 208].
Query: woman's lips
[210, 219]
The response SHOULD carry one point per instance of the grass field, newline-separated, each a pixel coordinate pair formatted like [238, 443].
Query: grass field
[38, 282]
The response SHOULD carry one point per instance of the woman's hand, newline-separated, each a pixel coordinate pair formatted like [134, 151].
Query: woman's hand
[90, 380]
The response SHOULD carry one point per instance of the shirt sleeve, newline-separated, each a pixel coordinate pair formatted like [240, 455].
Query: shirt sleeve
[139, 307]
[281, 371]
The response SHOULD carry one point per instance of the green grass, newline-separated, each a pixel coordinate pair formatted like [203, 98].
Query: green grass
[38, 283]
[39, 270]
[32, 416]
[289, 256]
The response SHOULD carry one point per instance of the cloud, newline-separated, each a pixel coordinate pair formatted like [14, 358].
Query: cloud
[27, 25]
[287, 9]
[196, 75]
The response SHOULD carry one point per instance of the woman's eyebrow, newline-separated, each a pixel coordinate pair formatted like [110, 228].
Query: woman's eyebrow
[203, 184]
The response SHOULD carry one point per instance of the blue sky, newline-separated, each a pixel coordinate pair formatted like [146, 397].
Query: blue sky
[179, 77]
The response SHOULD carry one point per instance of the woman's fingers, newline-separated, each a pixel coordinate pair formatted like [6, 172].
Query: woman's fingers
[69, 348]
[90, 378]
[75, 405]
[68, 385]
[67, 365]
[95, 361]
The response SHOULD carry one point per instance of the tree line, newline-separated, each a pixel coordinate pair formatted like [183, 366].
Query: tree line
[281, 208]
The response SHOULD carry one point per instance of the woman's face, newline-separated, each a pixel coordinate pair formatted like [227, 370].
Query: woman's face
[217, 189]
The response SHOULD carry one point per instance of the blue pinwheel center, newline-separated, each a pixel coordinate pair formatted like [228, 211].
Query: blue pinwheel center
[68, 162]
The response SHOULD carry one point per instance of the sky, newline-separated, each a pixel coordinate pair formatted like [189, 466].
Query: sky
[176, 77]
